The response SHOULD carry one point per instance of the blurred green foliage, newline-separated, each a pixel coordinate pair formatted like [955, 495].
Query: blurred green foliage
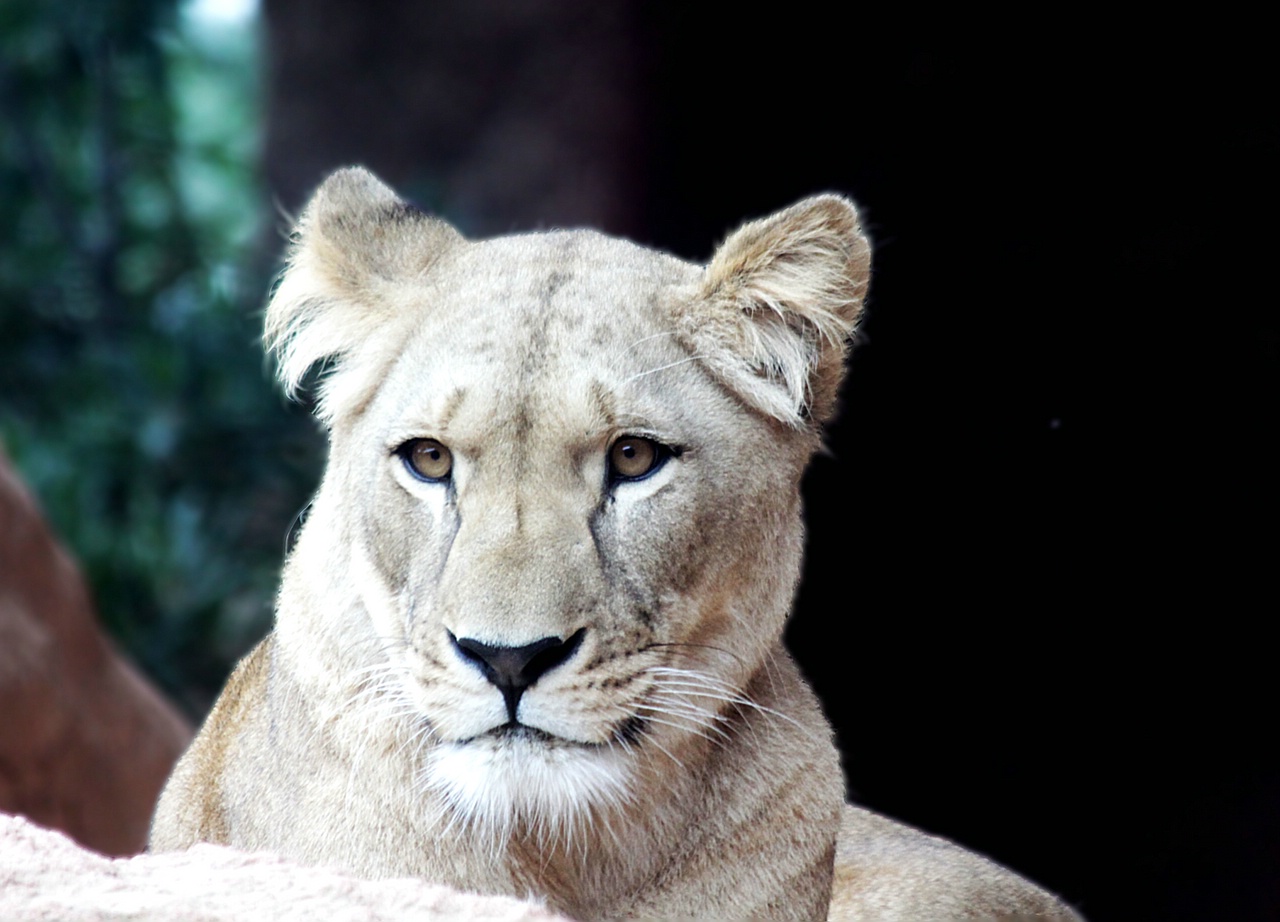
[135, 251]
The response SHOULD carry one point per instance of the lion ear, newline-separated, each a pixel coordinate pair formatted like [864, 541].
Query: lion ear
[777, 304]
[355, 247]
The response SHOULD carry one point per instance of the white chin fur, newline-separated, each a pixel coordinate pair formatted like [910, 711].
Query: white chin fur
[495, 783]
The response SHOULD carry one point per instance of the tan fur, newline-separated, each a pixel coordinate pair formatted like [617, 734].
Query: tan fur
[678, 766]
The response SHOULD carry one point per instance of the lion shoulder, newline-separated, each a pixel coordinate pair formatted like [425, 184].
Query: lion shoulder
[192, 806]
[888, 870]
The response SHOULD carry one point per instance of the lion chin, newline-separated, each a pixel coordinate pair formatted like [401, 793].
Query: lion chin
[520, 777]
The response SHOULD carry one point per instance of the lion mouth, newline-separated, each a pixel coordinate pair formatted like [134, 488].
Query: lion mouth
[631, 730]
[514, 736]
[515, 733]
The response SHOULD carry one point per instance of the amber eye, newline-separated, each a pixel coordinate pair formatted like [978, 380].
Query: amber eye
[426, 459]
[632, 458]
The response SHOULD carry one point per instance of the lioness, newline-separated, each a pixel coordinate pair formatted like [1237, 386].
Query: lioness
[529, 639]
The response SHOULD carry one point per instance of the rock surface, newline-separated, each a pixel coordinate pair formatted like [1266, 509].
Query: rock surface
[85, 741]
[45, 876]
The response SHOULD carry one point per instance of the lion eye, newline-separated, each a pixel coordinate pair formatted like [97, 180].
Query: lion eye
[426, 459]
[632, 458]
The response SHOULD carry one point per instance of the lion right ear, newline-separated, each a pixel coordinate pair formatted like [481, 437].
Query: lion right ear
[777, 304]
[354, 249]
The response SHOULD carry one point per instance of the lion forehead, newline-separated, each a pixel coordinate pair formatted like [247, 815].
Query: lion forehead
[571, 293]
[553, 336]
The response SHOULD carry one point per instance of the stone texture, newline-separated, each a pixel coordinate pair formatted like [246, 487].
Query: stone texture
[85, 741]
[45, 876]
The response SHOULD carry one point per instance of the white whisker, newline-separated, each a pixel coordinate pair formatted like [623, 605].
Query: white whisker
[700, 720]
[651, 336]
[653, 371]
[690, 683]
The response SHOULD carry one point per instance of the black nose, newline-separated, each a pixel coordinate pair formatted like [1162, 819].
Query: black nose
[513, 669]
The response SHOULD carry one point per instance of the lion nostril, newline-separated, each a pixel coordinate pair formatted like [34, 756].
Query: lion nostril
[552, 655]
[513, 669]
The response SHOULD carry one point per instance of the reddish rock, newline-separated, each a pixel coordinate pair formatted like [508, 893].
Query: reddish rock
[85, 741]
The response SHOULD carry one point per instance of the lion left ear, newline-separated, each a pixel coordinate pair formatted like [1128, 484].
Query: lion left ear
[776, 307]
[357, 248]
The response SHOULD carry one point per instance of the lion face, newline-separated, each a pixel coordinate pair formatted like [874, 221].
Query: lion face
[569, 552]
[564, 476]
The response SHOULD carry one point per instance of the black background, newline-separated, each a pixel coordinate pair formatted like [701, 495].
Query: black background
[1036, 601]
